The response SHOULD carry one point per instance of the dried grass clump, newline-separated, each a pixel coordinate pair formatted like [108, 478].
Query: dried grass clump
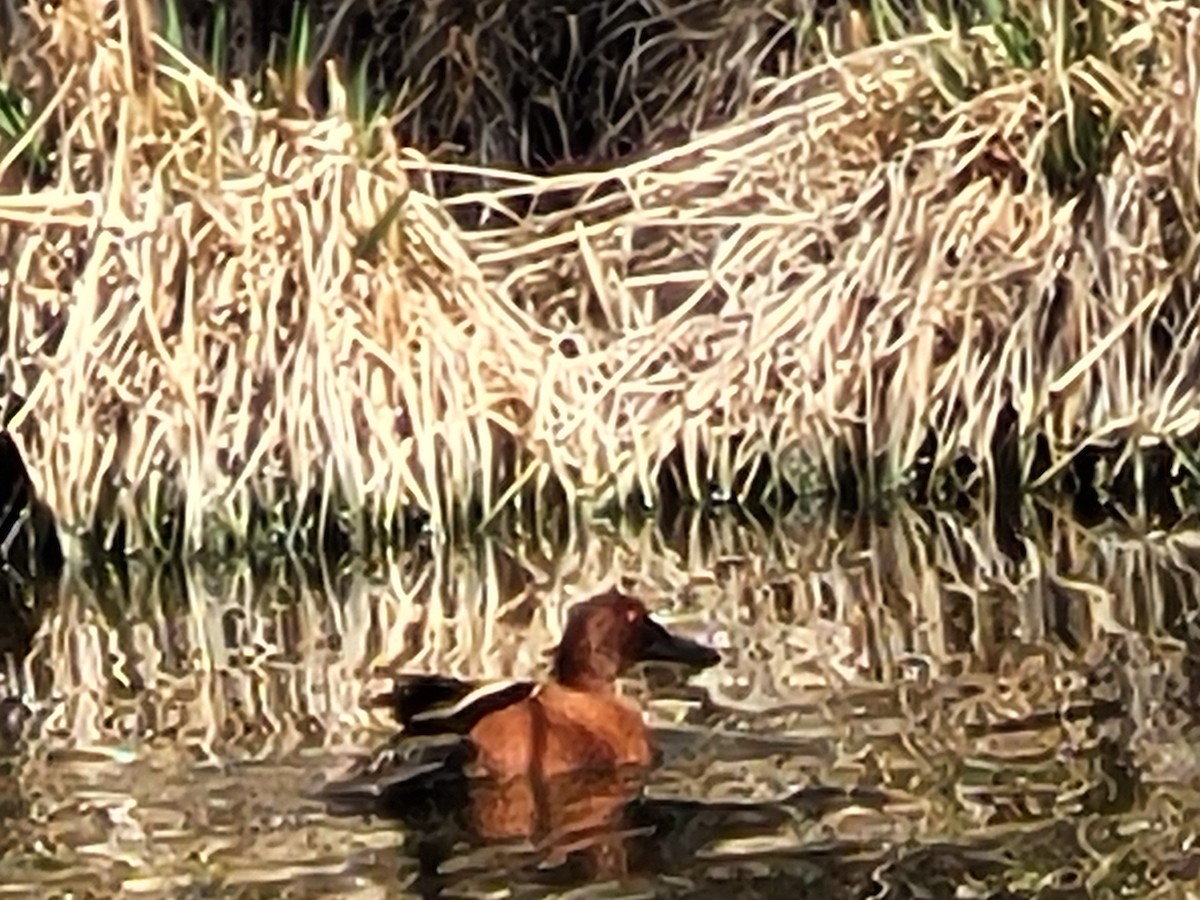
[207, 330]
[859, 272]
[235, 318]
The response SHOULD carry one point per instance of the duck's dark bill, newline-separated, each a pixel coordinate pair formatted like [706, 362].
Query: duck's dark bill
[659, 645]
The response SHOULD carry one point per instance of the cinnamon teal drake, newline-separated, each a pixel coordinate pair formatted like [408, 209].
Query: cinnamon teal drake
[550, 776]
[502, 749]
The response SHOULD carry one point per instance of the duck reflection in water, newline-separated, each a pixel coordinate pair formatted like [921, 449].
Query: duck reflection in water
[555, 763]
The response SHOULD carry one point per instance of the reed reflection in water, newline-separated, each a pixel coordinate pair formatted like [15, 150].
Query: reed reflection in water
[918, 707]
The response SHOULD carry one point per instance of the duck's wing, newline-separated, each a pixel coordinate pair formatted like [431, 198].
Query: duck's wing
[422, 766]
[435, 704]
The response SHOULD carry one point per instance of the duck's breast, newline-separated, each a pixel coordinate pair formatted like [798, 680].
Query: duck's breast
[589, 731]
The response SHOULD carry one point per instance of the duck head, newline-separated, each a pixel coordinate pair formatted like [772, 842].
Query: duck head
[609, 633]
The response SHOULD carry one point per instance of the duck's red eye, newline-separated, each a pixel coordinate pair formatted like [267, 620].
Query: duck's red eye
[631, 615]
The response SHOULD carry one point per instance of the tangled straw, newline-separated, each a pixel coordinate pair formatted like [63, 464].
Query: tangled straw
[238, 320]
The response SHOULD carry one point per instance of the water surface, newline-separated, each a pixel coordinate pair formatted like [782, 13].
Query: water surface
[915, 708]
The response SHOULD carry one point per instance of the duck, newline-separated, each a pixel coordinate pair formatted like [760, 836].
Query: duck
[517, 754]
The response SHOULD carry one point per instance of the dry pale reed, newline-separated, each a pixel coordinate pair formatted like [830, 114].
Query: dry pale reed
[237, 320]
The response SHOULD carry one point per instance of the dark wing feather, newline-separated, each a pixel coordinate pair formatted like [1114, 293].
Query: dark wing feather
[435, 704]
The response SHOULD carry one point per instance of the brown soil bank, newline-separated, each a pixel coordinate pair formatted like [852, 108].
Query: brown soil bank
[761, 260]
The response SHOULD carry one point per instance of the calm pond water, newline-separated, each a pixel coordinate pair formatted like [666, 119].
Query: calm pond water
[916, 708]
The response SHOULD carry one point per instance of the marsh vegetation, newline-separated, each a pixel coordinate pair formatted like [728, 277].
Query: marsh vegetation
[291, 274]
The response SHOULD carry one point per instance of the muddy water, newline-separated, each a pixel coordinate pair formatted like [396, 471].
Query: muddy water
[921, 707]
